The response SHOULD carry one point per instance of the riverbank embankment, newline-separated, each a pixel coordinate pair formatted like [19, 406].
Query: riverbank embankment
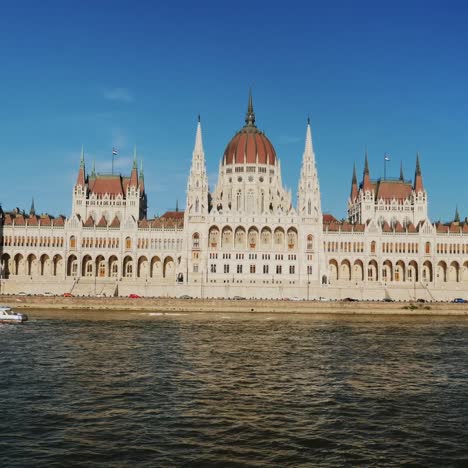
[235, 306]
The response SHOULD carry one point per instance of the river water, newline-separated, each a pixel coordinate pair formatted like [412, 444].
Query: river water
[139, 389]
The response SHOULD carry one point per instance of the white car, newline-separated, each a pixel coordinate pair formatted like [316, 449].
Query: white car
[48, 294]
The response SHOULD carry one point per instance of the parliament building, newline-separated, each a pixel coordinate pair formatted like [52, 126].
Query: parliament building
[245, 238]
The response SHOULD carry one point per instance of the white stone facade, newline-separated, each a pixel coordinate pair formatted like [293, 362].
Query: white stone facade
[244, 239]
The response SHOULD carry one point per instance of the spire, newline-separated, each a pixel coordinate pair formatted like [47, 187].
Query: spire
[418, 182]
[135, 165]
[308, 150]
[93, 169]
[134, 173]
[198, 138]
[456, 219]
[250, 115]
[366, 182]
[402, 178]
[354, 187]
[366, 165]
[308, 194]
[177, 206]
[80, 180]
[141, 168]
[32, 210]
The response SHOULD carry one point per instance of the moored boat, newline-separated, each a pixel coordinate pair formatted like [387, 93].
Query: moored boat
[8, 315]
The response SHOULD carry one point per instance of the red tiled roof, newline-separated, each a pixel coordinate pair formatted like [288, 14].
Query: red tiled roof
[89, 222]
[115, 223]
[173, 215]
[328, 218]
[60, 221]
[102, 222]
[113, 185]
[392, 189]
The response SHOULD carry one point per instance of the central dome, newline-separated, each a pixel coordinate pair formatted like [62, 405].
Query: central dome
[249, 145]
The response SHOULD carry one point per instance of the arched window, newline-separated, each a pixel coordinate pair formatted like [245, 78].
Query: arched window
[372, 247]
[72, 242]
[428, 248]
[238, 200]
[262, 202]
[128, 243]
[310, 242]
[197, 205]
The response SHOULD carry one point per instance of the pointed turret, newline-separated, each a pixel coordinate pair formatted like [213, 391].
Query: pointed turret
[32, 210]
[456, 219]
[366, 181]
[250, 115]
[418, 182]
[134, 173]
[80, 180]
[197, 185]
[402, 177]
[354, 185]
[141, 177]
[309, 205]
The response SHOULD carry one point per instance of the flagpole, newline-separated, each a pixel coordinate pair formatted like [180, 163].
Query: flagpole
[112, 161]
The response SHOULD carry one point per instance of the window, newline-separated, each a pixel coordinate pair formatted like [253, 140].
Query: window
[278, 269]
[196, 241]
[310, 242]
[72, 242]
[239, 268]
[309, 269]
[265, 269]
[226, 268]
[213, 268]
[128, 243]
[252, 268]
[195, 267]
[292, 269]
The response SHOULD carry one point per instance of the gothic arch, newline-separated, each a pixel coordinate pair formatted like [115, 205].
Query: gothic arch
[345, 270]
[372, 271]
[453, 272]
[156, 267]
[441, 272]
[387, 271]
[426, 270]
[358, 271]
[72, 265]
[168, 267]
[333, 269]
[142, 270]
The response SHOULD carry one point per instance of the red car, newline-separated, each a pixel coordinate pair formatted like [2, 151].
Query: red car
[67, 295]
[134, 296]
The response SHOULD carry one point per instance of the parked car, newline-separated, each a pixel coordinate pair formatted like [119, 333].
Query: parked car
[459, 300]
[239, 298]
[67, 294]
[22, 293]
[48, 294]
[134, 296]
[185, 296]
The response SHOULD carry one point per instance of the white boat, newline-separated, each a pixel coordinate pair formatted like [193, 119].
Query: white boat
[8, 315]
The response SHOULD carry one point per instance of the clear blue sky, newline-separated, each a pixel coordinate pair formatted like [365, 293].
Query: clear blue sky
[392, 76]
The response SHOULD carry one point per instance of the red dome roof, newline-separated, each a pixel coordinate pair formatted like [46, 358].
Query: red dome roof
[246, 145]
[249, 145]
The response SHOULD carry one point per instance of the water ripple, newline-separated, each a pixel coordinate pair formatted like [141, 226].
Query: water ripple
[207, 390]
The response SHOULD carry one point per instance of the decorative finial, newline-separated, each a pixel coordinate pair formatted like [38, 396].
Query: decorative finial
[457, 215]
[177, 206]
[402, 178]
[93, 169]
[199, 120]
[82, 156]
[250, 116]
[308, 120]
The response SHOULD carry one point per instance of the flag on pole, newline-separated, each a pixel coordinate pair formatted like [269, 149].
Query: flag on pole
[386, 157]
[114, 152]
